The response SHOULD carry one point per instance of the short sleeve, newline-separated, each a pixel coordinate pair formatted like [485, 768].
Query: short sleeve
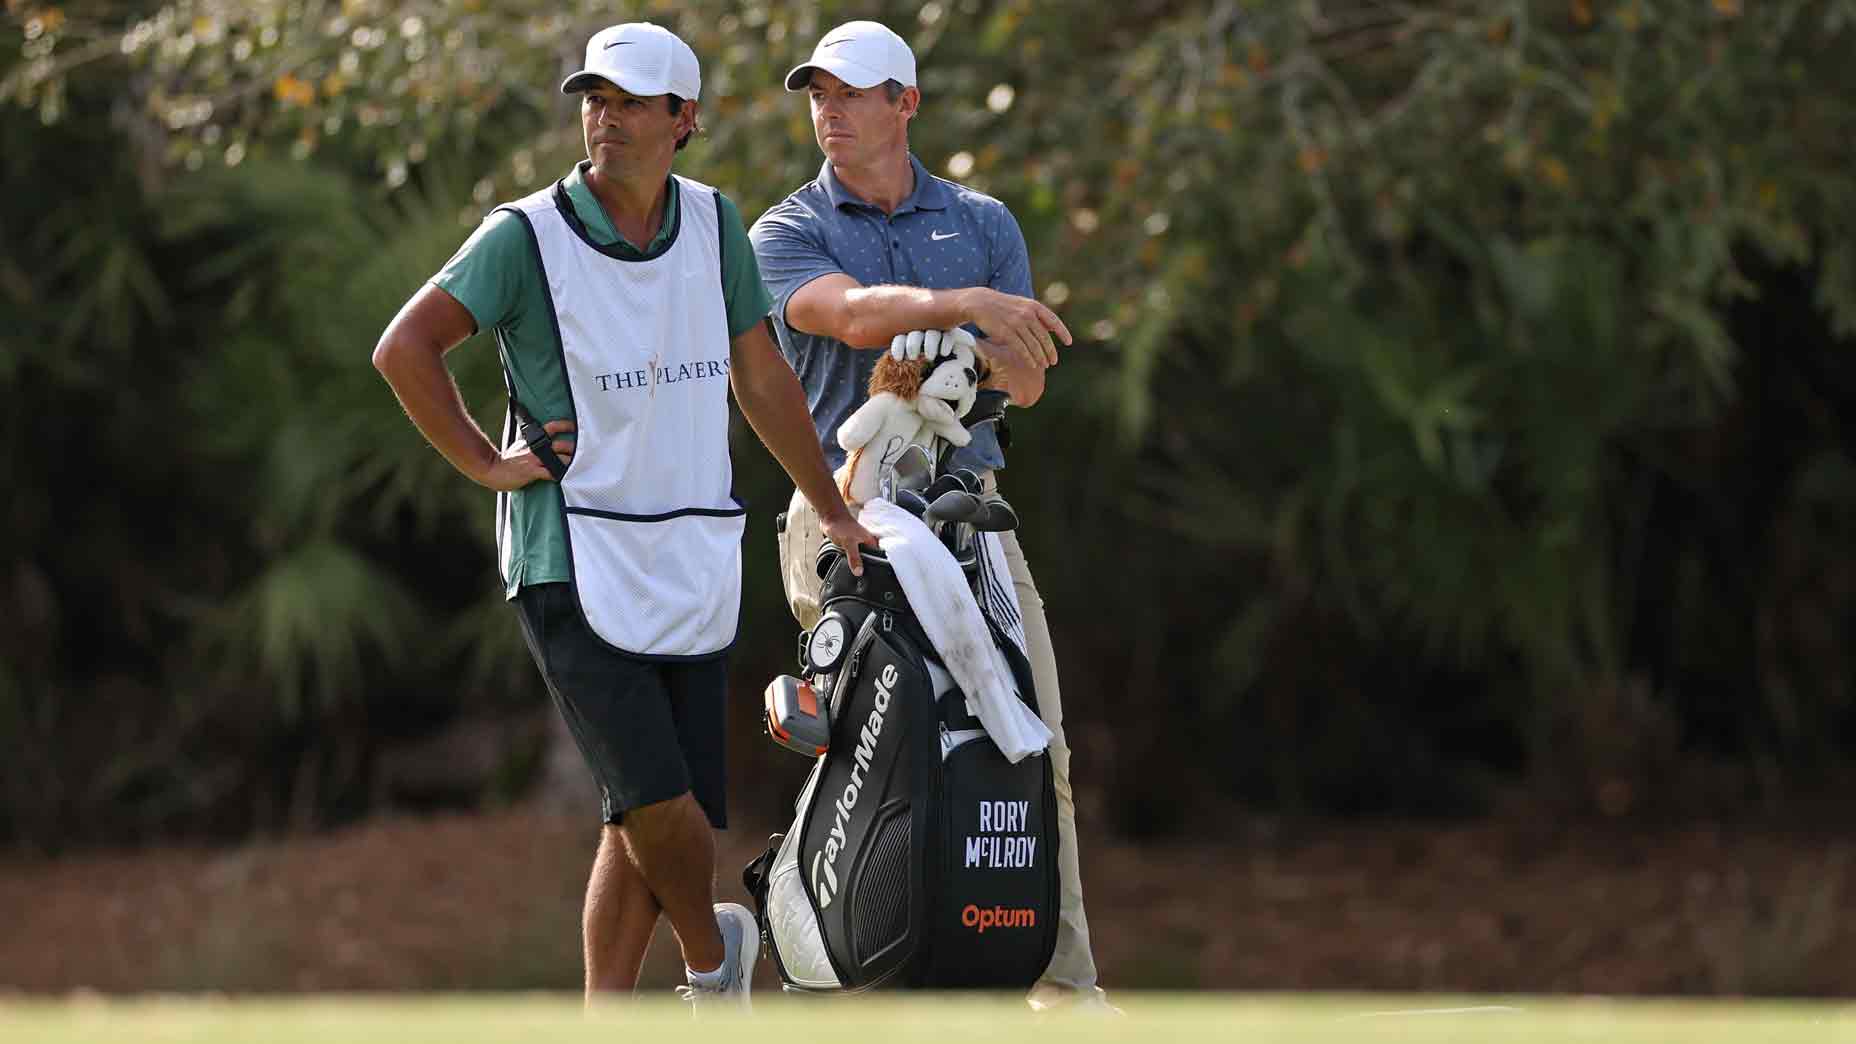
[790, 246]
[742, 289]
[1011, 262]
[494, 273]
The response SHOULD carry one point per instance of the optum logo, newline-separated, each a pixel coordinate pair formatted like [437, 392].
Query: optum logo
[997, 917]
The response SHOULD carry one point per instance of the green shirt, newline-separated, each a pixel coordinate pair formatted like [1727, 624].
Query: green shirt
[496, 277]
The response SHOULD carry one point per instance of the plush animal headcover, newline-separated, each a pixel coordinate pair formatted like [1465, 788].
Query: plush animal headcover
[904, 378]
[911, 401]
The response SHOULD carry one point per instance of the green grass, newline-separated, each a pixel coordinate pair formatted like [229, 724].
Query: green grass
[1151, 1019]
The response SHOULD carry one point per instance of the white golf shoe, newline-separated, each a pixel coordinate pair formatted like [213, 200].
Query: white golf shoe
[727, 991]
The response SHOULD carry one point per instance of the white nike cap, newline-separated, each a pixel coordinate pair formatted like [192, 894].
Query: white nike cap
[644, 59]
[862, 54]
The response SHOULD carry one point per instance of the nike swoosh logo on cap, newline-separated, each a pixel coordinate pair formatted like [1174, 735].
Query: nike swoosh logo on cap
[619, 43]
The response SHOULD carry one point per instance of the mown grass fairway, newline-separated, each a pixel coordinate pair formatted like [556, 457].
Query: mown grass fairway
[1151, 1019]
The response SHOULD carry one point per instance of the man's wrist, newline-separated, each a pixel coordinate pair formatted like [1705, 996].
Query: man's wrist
[481, 463]
[963, 306]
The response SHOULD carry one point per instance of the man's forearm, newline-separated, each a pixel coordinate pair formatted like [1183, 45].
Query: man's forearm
[871, 316]
[874, 315]
[430, 396]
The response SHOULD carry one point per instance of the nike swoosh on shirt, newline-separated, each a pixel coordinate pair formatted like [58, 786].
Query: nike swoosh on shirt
[938, 236]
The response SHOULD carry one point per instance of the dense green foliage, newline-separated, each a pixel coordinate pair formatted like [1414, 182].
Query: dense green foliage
[1460, 407]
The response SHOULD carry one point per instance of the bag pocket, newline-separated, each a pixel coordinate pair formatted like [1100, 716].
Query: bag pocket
[792, 923]
[996, 919]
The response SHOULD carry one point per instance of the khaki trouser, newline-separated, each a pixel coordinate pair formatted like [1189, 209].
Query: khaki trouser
[1072, 964]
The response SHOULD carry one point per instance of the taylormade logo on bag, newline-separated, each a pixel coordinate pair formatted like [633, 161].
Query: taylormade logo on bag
[824, 863]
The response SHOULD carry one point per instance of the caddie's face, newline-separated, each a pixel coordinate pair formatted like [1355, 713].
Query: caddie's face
[628, 133]
[858, 126]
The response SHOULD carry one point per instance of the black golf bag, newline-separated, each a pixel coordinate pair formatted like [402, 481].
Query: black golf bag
[919, 857]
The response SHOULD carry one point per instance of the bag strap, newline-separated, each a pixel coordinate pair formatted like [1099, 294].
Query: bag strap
[754, 876]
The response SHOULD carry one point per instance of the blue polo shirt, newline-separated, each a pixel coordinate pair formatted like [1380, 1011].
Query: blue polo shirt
[944, 236]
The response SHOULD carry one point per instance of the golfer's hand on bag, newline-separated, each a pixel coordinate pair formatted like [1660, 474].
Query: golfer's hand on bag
[518, 465]
[845, 531]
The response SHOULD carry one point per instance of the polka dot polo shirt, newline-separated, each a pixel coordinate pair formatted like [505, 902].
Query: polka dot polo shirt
[944, 236]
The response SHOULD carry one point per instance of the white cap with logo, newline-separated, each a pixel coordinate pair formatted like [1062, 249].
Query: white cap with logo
[862, 54]
[641, 58]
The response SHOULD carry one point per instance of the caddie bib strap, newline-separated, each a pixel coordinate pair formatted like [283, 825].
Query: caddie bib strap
[536, 437]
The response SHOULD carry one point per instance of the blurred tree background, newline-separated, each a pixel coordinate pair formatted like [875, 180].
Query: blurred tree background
[1461, 421]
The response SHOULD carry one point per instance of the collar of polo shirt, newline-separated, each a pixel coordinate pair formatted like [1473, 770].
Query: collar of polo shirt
[928, 193]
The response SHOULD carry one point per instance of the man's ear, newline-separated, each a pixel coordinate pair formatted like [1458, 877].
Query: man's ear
[686, 117]
[910, 101]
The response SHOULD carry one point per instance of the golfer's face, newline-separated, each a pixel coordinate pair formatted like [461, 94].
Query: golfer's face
[855, 125]
[623, 129]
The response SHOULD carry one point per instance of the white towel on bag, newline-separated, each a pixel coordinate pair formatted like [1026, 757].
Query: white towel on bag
[940, 598]
[998, 595]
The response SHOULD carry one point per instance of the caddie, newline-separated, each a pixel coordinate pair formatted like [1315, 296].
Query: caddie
[626, 303]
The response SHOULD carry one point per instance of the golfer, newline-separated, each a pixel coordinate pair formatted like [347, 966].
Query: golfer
[626, 303]
[875, 247]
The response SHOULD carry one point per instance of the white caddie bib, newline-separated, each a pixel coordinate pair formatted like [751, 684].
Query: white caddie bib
[653, 527]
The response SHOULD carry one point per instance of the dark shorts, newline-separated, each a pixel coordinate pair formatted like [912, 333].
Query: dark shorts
[649, 730]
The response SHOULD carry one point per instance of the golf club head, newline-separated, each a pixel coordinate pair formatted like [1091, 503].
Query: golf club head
[953, 506]
[943, 484]
[912, 469]
[912, 502]
[960, 538]
[968, 479]
[996, 516]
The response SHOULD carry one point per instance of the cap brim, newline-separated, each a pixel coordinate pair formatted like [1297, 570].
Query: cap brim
[800, 77]
[586, 79]
[859, 76]
[580, 81]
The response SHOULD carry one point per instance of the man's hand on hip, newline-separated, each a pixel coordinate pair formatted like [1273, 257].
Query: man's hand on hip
[1019, 323]
[518, 465]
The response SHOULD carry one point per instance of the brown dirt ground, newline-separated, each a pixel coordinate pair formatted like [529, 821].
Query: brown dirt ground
[491, 901]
